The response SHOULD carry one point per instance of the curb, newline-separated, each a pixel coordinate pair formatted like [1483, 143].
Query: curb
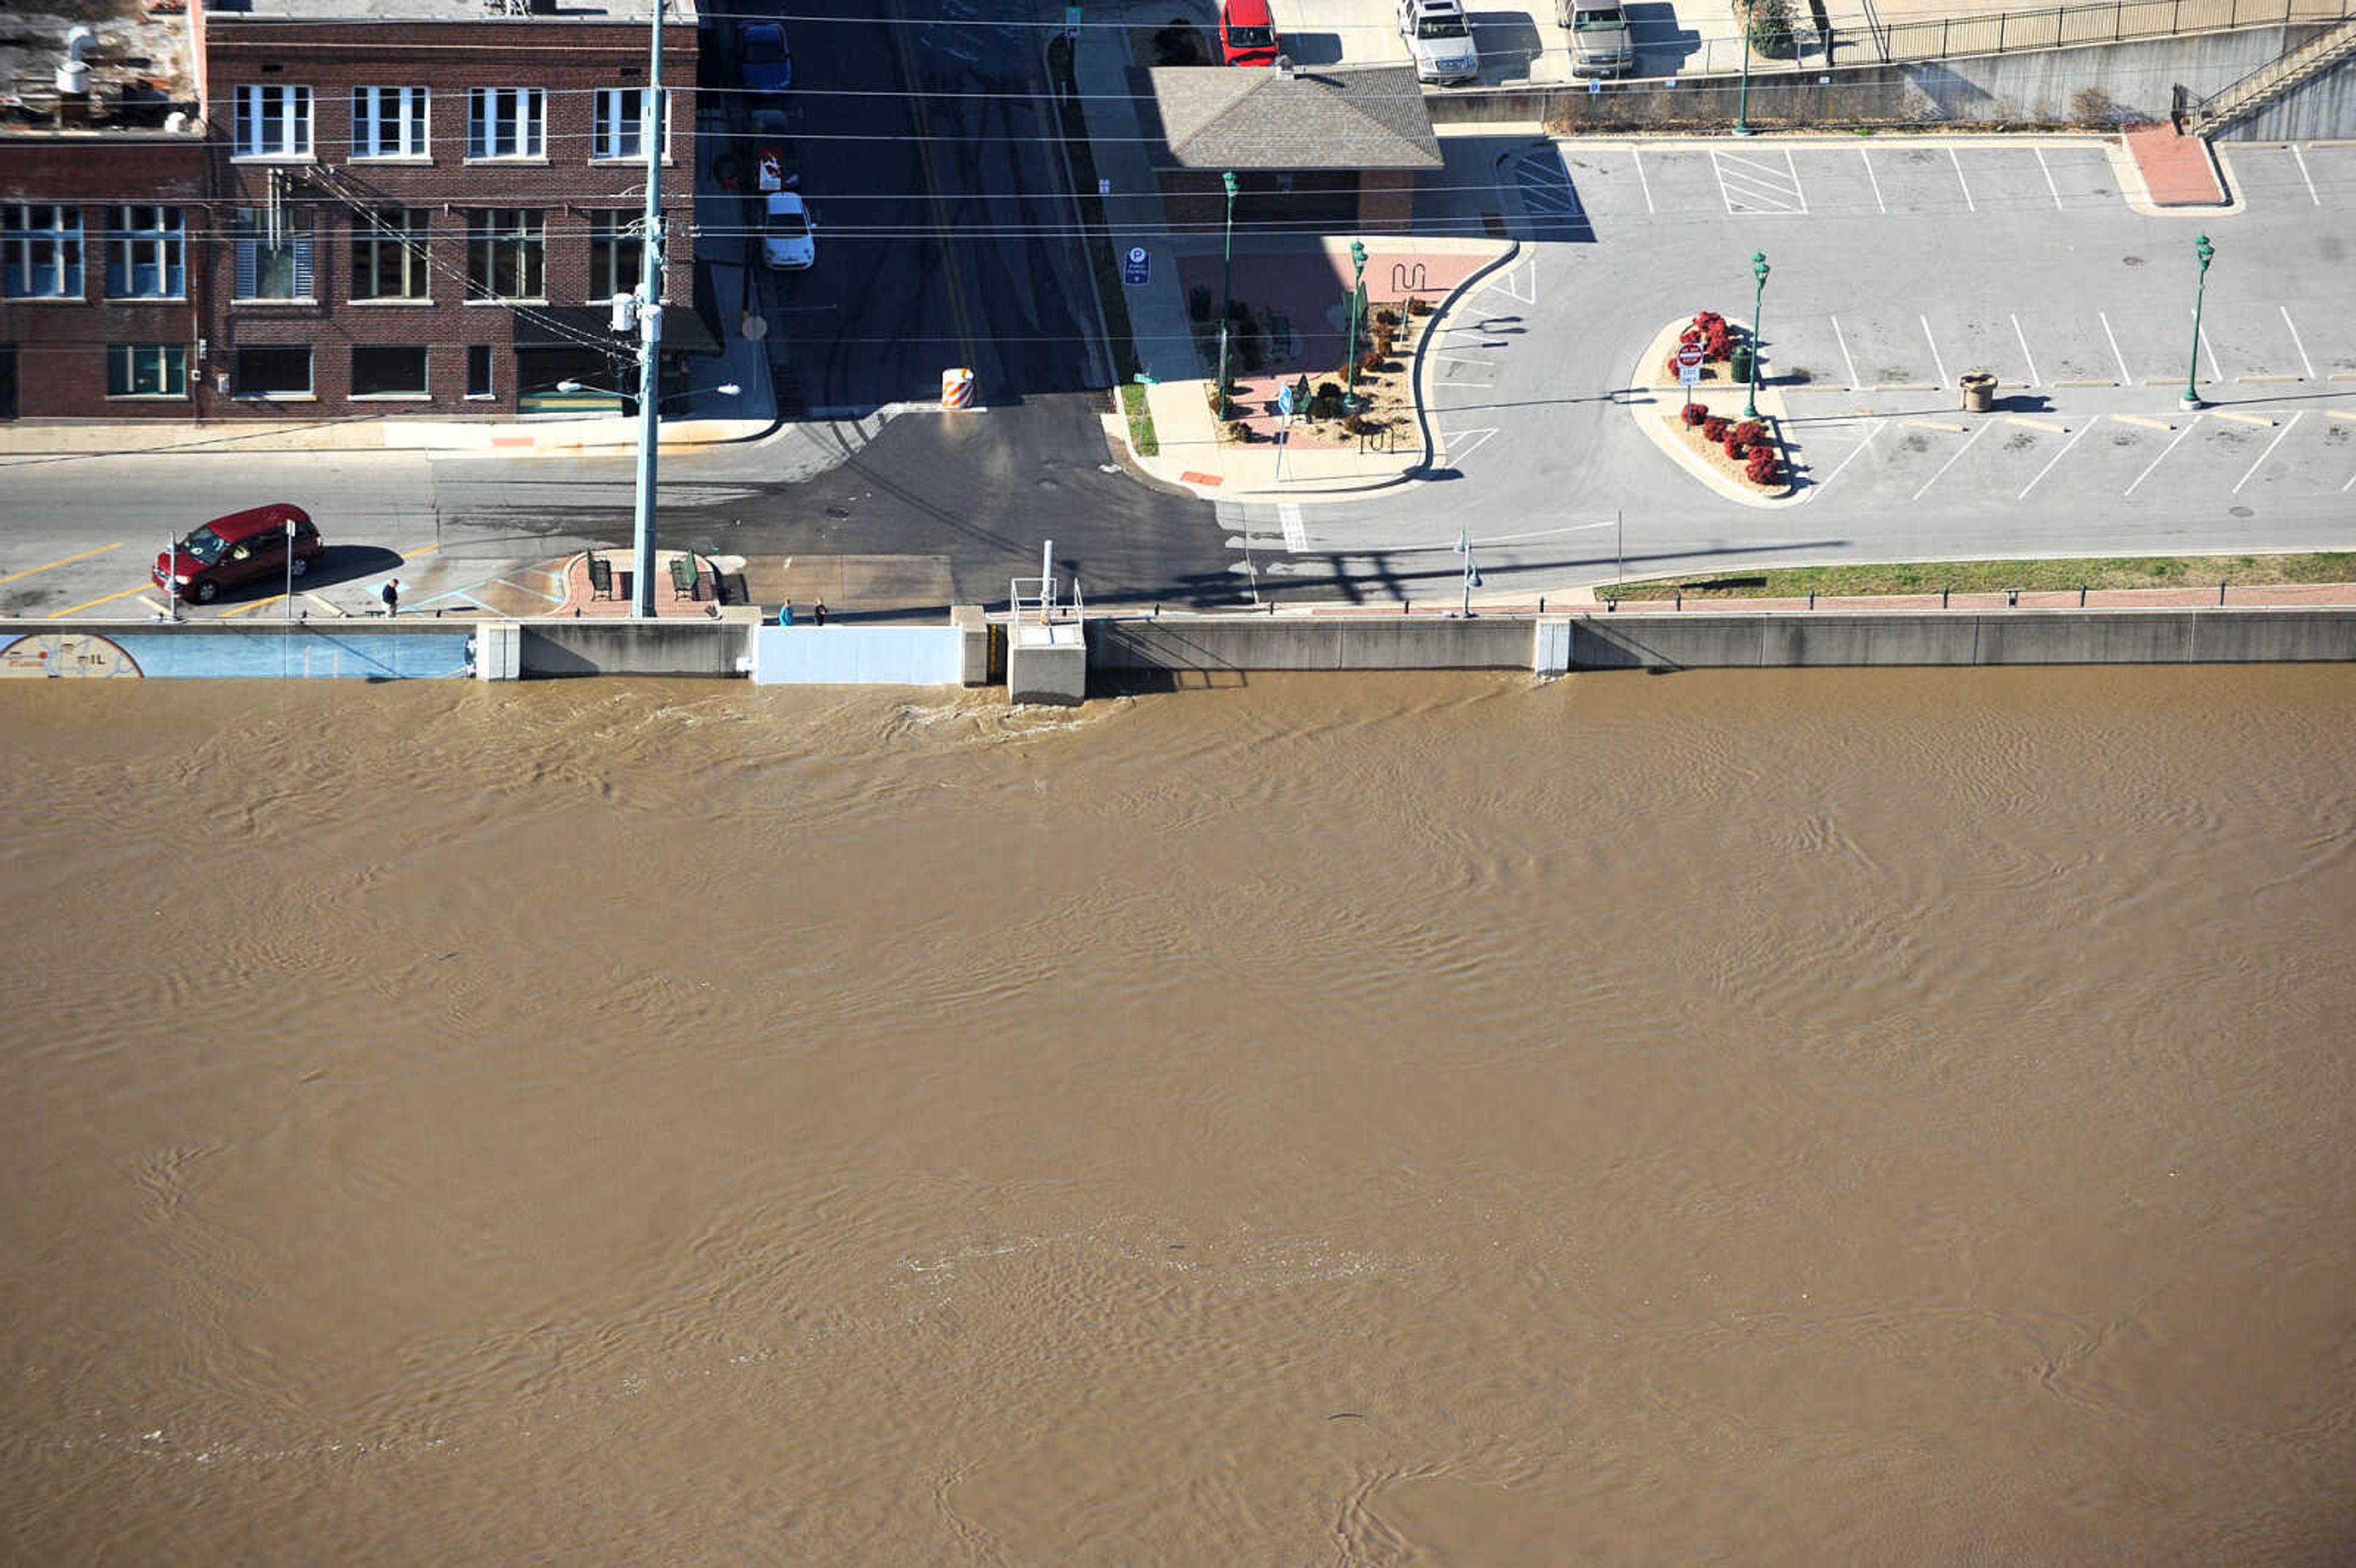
[1423, 345]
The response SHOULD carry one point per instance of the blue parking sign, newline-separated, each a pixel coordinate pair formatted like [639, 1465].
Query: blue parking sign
[1136, 267]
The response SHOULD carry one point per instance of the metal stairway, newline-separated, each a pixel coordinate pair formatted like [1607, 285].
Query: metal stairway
[2270, 81]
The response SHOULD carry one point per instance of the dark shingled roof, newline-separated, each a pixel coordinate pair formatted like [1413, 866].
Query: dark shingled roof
[1338, 117]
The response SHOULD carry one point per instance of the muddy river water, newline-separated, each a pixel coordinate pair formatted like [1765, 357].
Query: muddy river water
[1773, 1118]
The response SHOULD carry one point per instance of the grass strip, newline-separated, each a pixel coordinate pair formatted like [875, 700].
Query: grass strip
[1141, 421]
[1995, 576]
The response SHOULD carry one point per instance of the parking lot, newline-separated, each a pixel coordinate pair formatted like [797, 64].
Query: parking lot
[1897, 266]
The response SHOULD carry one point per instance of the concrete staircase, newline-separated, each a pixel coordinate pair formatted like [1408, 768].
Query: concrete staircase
[2269, 83]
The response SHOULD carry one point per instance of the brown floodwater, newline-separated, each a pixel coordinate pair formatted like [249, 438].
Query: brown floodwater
[1777, 1118]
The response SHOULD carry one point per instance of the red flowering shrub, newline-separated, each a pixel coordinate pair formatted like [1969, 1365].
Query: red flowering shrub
[1713, 429]
[1734, 445]
[1694, 413]
[1751, 431]
[1762, 468]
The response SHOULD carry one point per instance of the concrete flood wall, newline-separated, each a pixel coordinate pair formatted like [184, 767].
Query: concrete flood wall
[237, 650]
[2098, 86]
[557, 647]
[1724, 640]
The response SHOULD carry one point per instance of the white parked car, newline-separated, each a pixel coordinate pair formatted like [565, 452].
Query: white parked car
[785, 238]
[1441, 40]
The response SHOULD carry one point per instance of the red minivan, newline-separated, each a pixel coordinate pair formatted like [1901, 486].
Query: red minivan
[1248, 33]
[239, 547]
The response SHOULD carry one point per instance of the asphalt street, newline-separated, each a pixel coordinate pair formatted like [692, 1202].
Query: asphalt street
[945, 228]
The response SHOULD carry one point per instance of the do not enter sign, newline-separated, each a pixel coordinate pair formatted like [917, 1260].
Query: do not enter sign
[1688, 355]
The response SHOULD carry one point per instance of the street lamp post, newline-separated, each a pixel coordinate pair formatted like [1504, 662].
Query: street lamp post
[290, 569]
[1357, 303]
[1471, 569]
[1743, 106]
[2203, 249]
[1226, 286]
[646, 309]
[1758, 293]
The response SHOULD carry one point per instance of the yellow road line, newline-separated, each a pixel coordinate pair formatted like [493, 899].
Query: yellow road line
[93, 605]
[257, 604]
[413, 554]
[67, 561]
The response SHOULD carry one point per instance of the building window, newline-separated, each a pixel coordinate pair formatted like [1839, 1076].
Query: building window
[388, 255]
[388, 122]
[504, 121]
[274, 372]
[146, 370]
[505, 248]
[273, 122]
[144, 253]
[394, 371]
[617, 247]
[618, 128]
[273, 253]
[478, 372]
[42, 251]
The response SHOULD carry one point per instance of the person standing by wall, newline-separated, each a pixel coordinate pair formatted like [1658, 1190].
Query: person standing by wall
[390, 594]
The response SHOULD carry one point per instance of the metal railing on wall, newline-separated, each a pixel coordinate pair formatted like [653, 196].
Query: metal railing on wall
[2004, 32]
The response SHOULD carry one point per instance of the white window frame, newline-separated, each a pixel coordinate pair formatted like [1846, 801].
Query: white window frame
[515, 117]
[168, 361]
[251, 239]
[613, 228]
[391, 123]
[264, 106]
[150, 236]
[615, 137]
[33, 227]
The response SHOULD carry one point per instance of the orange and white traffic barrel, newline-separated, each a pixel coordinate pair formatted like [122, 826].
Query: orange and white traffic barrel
[956, 389]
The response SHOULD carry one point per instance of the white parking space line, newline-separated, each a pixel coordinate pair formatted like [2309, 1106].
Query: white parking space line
[1751, 188]
[2049, 181]
[2269, 452]
[2297, 342]
[1472, 437]
[2190, 426]
[1961, 181]
[1852, 457]
[1934, 342]
[1877, 182]
[1296, 536]
[1950, 461]
[2301, 157]
[2214, 373]
[2057, 457]
[2034, 379]
[1854, 384]
[2127, 376]
[1638, 153]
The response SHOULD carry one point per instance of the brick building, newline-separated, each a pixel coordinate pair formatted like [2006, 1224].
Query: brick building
[392, 207]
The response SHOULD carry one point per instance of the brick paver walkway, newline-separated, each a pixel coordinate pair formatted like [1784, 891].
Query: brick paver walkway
[2176, 169]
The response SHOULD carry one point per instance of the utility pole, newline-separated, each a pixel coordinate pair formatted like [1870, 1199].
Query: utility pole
[648, 313]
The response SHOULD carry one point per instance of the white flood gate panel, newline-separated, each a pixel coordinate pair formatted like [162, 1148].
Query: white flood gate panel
[859, 655]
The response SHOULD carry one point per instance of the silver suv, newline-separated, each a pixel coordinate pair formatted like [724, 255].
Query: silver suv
[1599, 41]
[1436, 33]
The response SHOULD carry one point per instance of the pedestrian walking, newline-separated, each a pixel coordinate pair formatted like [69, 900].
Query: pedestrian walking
[786, 614]
[390, 594]
[818, 611]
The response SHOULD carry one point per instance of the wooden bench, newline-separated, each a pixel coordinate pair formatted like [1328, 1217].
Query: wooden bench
[601, 577]
[685, 577]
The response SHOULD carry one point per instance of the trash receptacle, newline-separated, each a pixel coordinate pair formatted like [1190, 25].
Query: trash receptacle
[1980, 392]
[1740, 362]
